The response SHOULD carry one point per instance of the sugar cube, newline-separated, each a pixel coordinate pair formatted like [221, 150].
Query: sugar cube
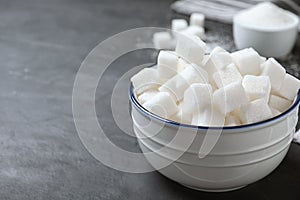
[227, 75]
[197, 97]
[296, 137]
[197, 19]
[248, 61]
[179, 83]
[208, 117]
[256, 111]
[181, 116]
[230, 97]
[279, 103]
[236, 112]
[162, 40]
[179, 24]
[162, 105]
[218, 59]
[193, 74]
[275, 112]
[257, 87]
[218, 49]
[289, 87]
[232, 120]
[191, 48]
[167, 64]
[146, 79]
[263, 59]
[182, 64]
[196, 31]
[205, 59]
[275, 72]
[147, 95]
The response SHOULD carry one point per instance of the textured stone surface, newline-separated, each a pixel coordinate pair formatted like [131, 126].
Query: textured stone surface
[43, 43]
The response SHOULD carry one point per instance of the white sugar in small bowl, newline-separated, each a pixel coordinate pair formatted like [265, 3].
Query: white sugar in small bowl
[275, 42]
[240, 156]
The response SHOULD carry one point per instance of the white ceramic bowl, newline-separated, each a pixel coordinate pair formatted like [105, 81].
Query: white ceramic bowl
[241, 154]
[269, 42]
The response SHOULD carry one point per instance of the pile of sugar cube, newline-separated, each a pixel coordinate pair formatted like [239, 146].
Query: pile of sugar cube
[219, 89]
[166, 40]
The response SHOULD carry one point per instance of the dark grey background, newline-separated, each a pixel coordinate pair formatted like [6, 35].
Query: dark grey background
[42, 44]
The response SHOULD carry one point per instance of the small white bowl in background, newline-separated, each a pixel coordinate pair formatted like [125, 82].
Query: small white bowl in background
[268, 41]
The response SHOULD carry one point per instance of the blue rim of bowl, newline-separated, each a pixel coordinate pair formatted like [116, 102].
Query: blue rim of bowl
[170, 122]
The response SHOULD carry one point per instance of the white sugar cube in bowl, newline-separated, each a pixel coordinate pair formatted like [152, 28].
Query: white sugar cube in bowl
[216, 128]
[162, 40]
[191, 48]
[240, 155]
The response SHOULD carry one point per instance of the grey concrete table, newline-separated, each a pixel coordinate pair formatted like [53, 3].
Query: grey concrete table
[43, 43]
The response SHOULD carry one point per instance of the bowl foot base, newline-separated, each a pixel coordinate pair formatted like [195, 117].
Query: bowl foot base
[214, 190]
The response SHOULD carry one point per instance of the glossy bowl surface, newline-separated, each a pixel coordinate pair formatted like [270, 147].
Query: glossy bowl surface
[234, 157]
